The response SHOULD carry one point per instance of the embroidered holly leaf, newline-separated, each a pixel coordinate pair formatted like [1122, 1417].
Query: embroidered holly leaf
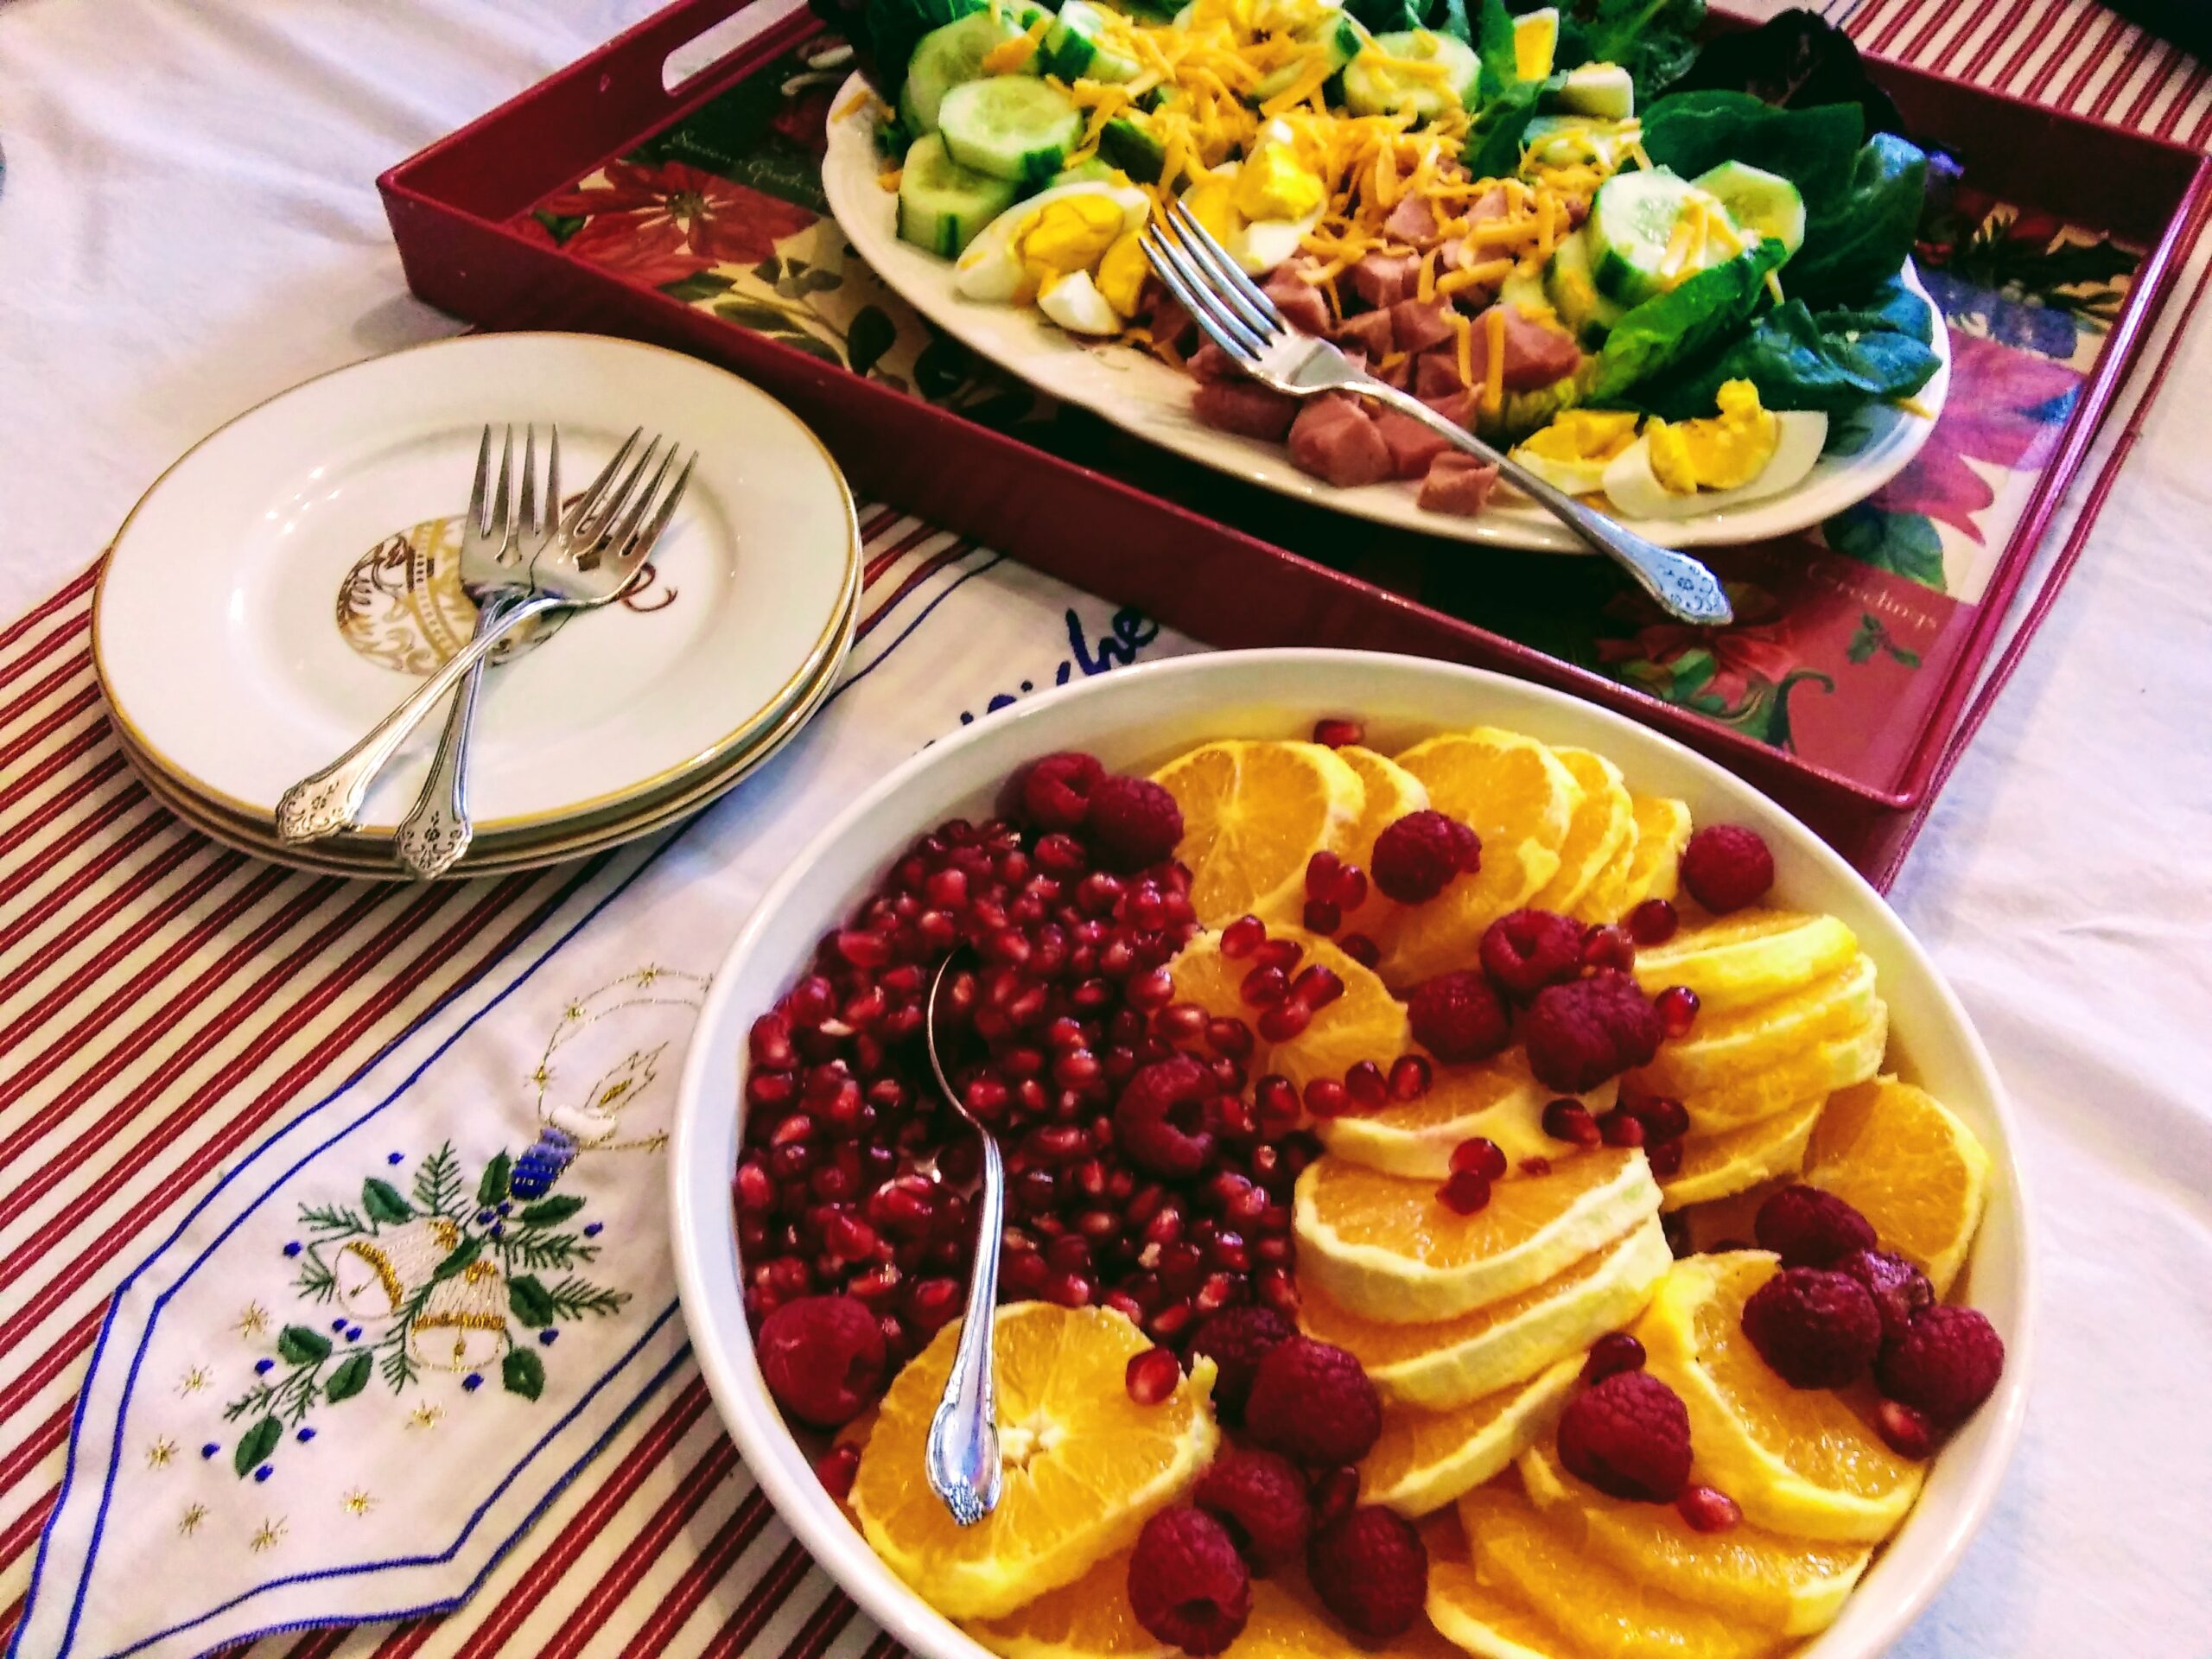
[1904, 657]
[531, 1301]
[258, 1442]
[462, 1254]
[524, 1373]
[301, 1346]
[382, 1200]
[546, 1212]
[493, 1186]
[350, 1378]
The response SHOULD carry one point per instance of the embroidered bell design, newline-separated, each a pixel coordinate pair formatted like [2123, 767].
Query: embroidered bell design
[377, 1274]
[463, 1324]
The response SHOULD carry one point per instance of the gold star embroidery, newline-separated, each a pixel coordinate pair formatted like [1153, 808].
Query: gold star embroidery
[541, 1077]
[270, 1535]
[189, 1523]
[194, 1379]
[647, 975]
[574, 1012]
[425, 1415]
[358, 1502]
[252, 1322]
[159, 1453]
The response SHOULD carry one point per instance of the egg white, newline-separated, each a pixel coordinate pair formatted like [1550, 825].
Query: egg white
[1075, 304]
[1260, 244]
[1574, 477]
[1632, 487]
[987, 270]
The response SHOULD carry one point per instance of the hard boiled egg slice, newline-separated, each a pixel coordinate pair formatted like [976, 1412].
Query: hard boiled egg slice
[1075, 304]
[1631, 487]
[1260, 244]
[991, 267]
[1583, 477]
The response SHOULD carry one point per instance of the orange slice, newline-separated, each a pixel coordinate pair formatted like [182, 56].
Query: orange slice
[1484, 1619]
[1749, 957]
[1085, 1466]
[1515, 793]
[1498, 1099]
[1451, 1363]
[1088, 1619]
[1390, 1249]
[1288, 1622]
[1392, 792]
[1253, 814]
[1804, 1461]
[1792, 1584]
[1912, 1169]
[1831, 1064]
[1603, 822]
[1722, 1046]
[1663, 830]
[1718, 1165]
[1426, 1458]
[1365, 1023]
[1599, 1611]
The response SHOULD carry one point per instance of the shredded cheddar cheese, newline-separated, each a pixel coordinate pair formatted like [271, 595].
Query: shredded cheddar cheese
[1494, 370]
[1011, 57]
[1463, 346]
[1774, 285]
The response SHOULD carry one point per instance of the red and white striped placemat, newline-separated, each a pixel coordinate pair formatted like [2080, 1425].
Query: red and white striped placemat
[165, 1003]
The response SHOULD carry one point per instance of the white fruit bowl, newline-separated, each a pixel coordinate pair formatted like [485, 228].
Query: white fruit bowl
[1135, 718]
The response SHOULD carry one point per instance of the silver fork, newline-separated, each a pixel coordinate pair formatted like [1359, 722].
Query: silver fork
[601, 544]
[1239, 317]
[500, 540]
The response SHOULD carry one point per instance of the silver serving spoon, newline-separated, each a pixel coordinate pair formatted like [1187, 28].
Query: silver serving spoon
[962, 1457]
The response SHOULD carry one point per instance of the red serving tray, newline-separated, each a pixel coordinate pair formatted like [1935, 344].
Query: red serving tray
[458, 211]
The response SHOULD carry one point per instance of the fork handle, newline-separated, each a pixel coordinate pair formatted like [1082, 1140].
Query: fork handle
[326, 802]
[435, 834]
[1682, 586]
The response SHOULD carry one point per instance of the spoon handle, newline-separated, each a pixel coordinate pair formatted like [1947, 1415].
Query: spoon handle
[962, 1454]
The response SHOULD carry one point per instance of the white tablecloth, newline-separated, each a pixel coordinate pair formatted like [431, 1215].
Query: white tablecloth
[189, 225]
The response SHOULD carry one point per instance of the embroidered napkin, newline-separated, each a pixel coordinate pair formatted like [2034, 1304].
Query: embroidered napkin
[366, 1360]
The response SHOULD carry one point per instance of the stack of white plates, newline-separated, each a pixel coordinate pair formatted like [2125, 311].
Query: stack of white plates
[284, 584]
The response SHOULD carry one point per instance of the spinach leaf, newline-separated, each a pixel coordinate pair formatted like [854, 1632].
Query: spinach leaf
[1683, 324]
[1656, 41]
[1504, 103]
[1390, 17]
[1861, 237]
[1796, 60]
[1836, 361]
[1891, 306]
[884, 32]
[1813, 148]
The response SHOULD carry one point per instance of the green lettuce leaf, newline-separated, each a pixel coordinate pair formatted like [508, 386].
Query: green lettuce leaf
[1862, 236]
[890, 28]
[1656, 41]
[1390, 17]
[1835, 361]
[1813, 148]
[1682, 325]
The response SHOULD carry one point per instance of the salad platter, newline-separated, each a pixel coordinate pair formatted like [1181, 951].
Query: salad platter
[1702, 315]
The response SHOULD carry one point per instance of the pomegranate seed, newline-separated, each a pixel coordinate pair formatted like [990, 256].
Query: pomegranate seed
[770, 1043]
[1216, 1293]
[1653, 922]
[1070, 1253]
[1677, 1006]
[1263, 988]
[1277, 1288]
[1361, 949]
[1334, 1492]
[1151, 992]
[1275, 1100]
[1321, 916]
[1243, 937]
[1665, 1156]
[1351, 887]
[948, 889]
[1568, 1119]
[770, 1088]
[932, 1302]
[754, 1190]
[1466, 1192]
[1285, 1021]
[1906, 1431]
[1180, 1022]
[987, 1098]
[1326, 1097]
[1229, 1037]
[1321, 872]
[1614, 1352]
[1171, 1321]
[1663, 1118]
[1316, 989]
[1152, 1377]
[1076, 1069]
[1617, 1128]
[1608, 947]
[1070, 1290]
[1707, 1510]
[1481, 1155]
[1061, 854]
[1411, 1077]
[836, 1467]
[1278, 953]
[1366, 1084]
[863, 949]
[1537, 1166]
[1337, 733]
[875, 1285]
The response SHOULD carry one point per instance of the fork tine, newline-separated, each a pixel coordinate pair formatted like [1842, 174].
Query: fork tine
[618, 497]
[478, 492]
[503, 507]
[1231, 274]
[1248, 316]
[552, 513]
[623, 535]
[643, 541]
[526, 513]
[1168, 263]
[572, 520]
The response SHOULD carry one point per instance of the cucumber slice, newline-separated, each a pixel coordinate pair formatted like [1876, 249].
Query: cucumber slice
[1758, 201]
[1094, 170]
[1588, 314]
[1568, 140]
[954, 53]
[1631, 224]
[1010, 126]
[1605, 89]
[1372, 86]
[1076, 45]
[1127, 140]
[943, 206]
[1341, 37]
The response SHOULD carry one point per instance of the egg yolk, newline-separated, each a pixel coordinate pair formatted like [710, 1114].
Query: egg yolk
[1213, 204]
[1720, 452]
[1272, 184]
[1068, 235]
[1584, 434]
[1122, 274]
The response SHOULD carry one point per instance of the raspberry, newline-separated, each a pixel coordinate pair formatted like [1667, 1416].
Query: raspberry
[1945, 1366]
[1524, 952]
[1726, 866]
[1133, 822]
[1816, 1329]
[1808, 1227]
[1261, 1499]
[1628, 1436]
[1899, 1289]
[1311, 1401]
[1578, 1035]
[1237, 1340]
[823, 1357]
[1160, 1121]
[1416, 857]
[1056, 790]
[1371, 1569]
[1457, 1017]
[1187, 1584]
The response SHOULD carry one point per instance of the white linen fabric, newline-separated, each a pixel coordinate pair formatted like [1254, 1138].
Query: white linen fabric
[188, 223]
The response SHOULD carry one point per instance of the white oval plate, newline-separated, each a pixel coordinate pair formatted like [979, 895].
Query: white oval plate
[1134, 719]
[215, 628]
[1139, 393]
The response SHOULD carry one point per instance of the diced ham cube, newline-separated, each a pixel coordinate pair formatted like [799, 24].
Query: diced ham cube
[1335, 439]
[1457, 407]
[1367, 331]
[1170, 324]
[1416, 325]
[1411, 220]
[1412, 446]
[1244, 407]
[1458, 483]
[1209, 362]
[1436, 373]
[1536, 352]
[1381, 278]
[1299, 301]
[1488, 206]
